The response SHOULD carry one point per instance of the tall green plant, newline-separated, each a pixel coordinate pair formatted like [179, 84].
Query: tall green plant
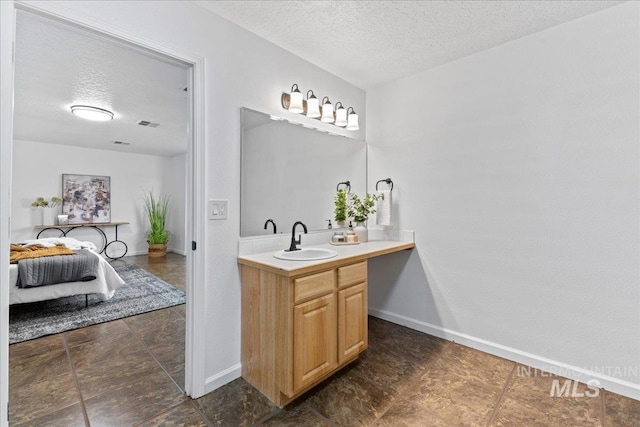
[340, 202]
[156, 208]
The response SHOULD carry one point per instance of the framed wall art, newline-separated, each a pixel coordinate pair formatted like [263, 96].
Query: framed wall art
[86, 199]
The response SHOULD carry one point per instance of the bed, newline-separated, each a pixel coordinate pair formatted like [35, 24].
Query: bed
[104, 286]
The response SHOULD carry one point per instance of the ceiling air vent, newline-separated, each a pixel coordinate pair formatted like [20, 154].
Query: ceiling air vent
[121, 143]
[148, 124]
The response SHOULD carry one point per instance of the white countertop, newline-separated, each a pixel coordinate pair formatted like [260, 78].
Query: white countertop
[346, 254]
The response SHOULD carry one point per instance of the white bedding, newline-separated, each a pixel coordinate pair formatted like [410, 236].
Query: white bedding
[105, 285]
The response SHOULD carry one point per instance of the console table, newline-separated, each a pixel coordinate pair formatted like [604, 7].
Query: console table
[66, 229]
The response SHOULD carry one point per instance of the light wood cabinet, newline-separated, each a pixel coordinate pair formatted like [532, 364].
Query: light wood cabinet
[314, 340]
[298, 330]
[352, 322]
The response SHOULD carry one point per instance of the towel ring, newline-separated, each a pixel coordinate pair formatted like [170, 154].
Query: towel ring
[388, 181]
[347, 183]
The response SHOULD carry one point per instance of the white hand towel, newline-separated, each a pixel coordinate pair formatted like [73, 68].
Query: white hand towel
[383, 208]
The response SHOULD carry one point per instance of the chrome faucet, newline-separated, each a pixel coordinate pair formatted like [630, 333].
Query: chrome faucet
[295, 242]
[267, 223]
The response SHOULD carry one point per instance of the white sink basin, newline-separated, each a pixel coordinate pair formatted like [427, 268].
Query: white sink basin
[306, 254]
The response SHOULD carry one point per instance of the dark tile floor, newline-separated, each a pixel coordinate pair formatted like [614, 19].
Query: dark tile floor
[131, 372]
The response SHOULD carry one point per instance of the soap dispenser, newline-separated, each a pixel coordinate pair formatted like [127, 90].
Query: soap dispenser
[351, 236]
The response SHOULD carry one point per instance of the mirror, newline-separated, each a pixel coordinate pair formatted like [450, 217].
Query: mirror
[290, 173]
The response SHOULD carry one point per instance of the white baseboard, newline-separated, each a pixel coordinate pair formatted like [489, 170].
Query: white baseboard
[146, 251]
[606, 382]
[222, 378]
[140, 252]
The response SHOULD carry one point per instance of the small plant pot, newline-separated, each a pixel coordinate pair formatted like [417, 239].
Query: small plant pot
[157, 250]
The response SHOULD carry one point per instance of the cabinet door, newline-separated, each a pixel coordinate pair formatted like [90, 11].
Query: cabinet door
[314, 340]
[352, 322]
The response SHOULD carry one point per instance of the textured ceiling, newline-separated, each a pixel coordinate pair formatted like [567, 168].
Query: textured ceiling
[369, 43]
[365, 42]
[57, 66]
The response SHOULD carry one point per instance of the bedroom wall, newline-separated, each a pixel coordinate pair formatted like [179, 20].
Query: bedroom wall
[518, 169]
[175, 186]
[38, 169]
[242, 70]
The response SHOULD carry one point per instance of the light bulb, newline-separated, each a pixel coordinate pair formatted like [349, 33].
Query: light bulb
[295, 100]
[341, 115]
[352, 121]
[327, 111]
[313, 106]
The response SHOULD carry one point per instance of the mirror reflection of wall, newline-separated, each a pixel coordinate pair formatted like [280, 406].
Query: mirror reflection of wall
[290, 173]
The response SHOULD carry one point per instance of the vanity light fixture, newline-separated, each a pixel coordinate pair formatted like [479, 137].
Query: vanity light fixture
[341, 115]
[295, 100]
[92, 113]
[327, 111]
[352, 119]
[313, 105]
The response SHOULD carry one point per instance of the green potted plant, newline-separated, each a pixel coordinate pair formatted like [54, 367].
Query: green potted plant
[359, 210]
[341, 207]
[158, 236]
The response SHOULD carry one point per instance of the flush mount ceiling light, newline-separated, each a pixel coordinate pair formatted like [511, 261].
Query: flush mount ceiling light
[294, 102]
[92, 113]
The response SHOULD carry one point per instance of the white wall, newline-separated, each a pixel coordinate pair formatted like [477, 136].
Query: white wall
[518, 169]
[38, 169]
[175, 186]
[241, 70]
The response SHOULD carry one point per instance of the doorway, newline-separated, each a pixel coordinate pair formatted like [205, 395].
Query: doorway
[192, 220]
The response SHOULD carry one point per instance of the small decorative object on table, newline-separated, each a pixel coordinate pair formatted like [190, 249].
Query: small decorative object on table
[48, 210]
[359, 210]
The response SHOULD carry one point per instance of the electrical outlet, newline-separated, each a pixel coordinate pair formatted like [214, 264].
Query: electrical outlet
[218, 209]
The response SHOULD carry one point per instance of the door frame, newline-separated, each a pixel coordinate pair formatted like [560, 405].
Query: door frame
[7, 26]
[195, 179]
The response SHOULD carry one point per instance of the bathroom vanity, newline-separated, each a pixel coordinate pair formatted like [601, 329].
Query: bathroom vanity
[304, 320]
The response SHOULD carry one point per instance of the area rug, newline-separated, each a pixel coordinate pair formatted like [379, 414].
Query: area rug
[141, 293]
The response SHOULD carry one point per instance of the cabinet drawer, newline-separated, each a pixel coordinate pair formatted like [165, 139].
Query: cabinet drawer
[352, 274]
[313, 286]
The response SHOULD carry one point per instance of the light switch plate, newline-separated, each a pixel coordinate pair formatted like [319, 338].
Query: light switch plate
[218, 209]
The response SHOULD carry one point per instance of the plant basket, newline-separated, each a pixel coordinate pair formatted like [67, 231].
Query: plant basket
[157, 250]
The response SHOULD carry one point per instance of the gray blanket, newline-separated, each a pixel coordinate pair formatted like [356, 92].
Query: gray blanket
[57, 269]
